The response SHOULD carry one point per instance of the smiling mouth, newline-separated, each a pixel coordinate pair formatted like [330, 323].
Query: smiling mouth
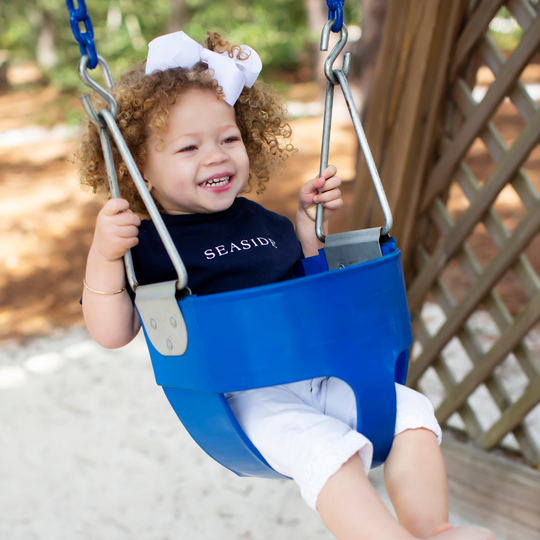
[217, 182]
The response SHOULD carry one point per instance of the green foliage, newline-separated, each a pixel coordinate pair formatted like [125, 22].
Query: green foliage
[121, 41]
[277, 29]
[505, 30]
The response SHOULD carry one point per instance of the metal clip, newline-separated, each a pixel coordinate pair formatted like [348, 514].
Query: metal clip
[353, 247]
[162, 318]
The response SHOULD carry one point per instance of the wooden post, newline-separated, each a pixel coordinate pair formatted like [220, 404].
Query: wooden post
[410, 81]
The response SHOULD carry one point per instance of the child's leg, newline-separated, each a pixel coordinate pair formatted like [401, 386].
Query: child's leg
[415, 477]
[352, 510]
[414, 470]
[416, 482]
[288, 427]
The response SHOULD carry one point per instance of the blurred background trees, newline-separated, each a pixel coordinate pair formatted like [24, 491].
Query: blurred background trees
[286, 34]
[278, 29]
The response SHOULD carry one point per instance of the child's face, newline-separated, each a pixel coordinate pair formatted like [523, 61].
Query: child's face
[202, 164]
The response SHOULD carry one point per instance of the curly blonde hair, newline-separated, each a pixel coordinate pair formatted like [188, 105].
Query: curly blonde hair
[143, 107]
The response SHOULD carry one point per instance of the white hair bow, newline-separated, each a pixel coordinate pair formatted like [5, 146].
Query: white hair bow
[179, 50]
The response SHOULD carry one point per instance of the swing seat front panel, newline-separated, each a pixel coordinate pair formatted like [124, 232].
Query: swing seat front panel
[352, 323]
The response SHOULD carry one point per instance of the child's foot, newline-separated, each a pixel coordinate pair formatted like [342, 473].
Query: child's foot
[447, 532]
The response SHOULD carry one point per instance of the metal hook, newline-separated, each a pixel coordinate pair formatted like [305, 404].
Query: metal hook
[88, 81]
[339, 77]
[334, 53]
[329, 100]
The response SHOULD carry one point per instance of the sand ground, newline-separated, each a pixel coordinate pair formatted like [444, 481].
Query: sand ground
[91, 450]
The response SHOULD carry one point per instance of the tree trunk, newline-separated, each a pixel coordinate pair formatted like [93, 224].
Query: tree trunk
[178, 16]
[4, 82]
[46, 51]
[317, 14]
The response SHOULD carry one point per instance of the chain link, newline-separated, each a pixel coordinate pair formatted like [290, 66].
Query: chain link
[335, 11]
[84, 39]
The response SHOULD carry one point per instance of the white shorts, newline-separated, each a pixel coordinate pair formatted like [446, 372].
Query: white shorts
[307, 430]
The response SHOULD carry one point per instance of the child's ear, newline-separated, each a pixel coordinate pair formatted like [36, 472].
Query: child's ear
[149, 185]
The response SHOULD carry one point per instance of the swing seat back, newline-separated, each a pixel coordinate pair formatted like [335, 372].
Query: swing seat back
[352, 323]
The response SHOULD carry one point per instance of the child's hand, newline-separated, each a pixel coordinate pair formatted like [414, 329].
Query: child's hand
[330, 194]
[116, 230]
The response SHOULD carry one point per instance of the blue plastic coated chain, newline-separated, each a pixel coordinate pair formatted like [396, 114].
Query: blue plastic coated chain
[84, 39]
[335, 11]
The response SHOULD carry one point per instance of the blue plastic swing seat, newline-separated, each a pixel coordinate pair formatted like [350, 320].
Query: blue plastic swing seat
[352, 323]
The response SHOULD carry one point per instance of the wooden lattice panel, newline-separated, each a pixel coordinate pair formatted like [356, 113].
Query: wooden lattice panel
[476, 352]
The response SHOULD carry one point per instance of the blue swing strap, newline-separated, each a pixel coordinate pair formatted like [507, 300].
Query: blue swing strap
[86, 39]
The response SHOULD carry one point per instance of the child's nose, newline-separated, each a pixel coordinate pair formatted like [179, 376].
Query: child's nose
[216, 155]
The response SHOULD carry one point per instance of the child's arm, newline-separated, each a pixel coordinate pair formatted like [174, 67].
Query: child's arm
[111, 318]
[330, 198]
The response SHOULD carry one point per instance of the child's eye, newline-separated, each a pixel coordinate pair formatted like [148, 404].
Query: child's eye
[231, 139]
[188, 148]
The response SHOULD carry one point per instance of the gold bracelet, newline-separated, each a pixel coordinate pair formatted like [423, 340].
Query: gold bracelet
[101, 292]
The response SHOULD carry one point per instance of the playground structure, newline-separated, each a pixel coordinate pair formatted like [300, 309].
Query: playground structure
[425, 123]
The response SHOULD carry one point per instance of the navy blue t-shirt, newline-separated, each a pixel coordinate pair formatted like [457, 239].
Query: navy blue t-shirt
[243, 246]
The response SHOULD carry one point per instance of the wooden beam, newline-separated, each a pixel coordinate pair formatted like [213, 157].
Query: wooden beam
[405, 110]
[403, 115]
[386, 89]
[492, 491]
[523, 11]
[425, 128]
[512, 416]
[476, 26]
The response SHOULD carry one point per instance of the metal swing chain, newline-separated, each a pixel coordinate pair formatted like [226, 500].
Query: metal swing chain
[104, 119]
[335, 77]
[84, 39]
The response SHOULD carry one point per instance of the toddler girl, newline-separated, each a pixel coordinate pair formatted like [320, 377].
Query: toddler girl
[201, 131]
